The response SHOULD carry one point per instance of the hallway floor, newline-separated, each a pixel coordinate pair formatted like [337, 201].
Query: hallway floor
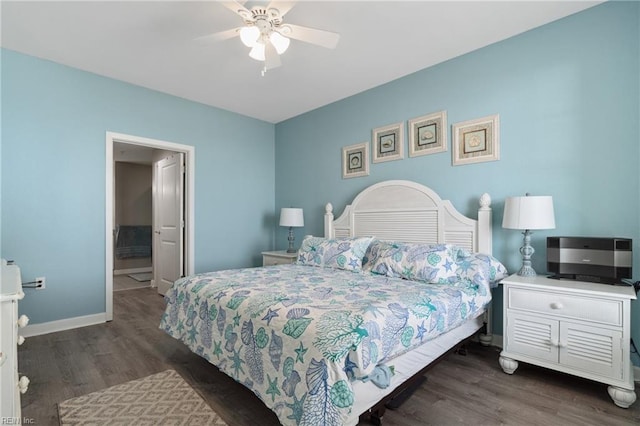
[124, 282]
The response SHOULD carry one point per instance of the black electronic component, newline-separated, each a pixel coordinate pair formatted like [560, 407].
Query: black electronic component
[602, 260]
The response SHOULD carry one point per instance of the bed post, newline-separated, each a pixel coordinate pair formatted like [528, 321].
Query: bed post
[328, 221]
[485, 244]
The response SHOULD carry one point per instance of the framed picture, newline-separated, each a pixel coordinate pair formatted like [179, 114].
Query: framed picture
[476, 141]
[388, 143]
[428, 134]
[355, 160]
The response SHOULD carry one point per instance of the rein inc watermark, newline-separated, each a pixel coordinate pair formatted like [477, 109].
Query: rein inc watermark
[17, 421]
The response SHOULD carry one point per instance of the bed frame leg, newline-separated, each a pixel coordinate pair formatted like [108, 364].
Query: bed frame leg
[462, 350]
[399, 399]
[376, 416]
[486, 335]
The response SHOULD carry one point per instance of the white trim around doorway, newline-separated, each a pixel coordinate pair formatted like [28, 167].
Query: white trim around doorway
[190, 161]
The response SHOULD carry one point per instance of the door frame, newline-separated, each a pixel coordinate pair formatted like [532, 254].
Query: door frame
[189, 203]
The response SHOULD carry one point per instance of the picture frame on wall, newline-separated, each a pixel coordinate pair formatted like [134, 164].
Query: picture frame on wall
[428, 134]
[476, 141]
[388, 143]
[355, 160]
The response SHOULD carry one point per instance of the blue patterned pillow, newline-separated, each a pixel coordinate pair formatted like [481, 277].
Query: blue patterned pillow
[417, 262]
[373, 253]
[481, 268]
[343, 253]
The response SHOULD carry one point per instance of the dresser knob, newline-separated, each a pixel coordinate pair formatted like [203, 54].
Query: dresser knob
[23, 384]
[556, 305]
[3, 358]
[23, 321]
[20, 340]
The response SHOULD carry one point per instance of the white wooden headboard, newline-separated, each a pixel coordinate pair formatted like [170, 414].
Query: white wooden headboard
[400, 210]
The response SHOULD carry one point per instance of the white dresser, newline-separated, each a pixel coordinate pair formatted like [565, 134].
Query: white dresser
[11, 385]
[575, 327]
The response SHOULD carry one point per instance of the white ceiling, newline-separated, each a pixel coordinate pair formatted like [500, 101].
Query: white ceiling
[151, 44]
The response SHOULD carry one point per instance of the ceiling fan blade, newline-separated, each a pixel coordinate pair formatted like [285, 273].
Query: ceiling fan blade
[310, 35]
[236, 7]
[222, 35]
[282, 6]
[271, 57]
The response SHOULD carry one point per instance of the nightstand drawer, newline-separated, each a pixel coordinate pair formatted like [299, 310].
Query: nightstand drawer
[566, 305]
[270, 261]
[271, 258]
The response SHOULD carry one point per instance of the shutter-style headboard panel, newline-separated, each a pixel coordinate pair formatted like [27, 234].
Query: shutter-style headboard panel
[399, 210]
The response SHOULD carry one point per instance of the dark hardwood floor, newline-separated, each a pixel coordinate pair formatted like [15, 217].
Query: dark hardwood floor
[461, 390]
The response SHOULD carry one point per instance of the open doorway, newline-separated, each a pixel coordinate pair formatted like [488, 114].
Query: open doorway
[133, 217]
[162, 213]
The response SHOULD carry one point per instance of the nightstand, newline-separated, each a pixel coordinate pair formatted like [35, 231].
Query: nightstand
[281, 257]
[575, 327]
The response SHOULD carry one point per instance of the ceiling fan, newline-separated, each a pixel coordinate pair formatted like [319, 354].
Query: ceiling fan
[266, 34]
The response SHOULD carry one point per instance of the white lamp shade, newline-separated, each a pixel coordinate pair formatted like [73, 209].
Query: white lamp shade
[249, 35]
[280, 42]
[257, 52]
[291, 217]
[530, 212]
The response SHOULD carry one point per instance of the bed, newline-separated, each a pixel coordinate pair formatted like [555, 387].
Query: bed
[396, 282]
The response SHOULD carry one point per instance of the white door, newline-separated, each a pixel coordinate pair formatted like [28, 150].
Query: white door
[168, 259]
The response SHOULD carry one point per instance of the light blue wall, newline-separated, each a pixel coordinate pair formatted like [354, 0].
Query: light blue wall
[54, 121]
[567, 95]
[1, 256]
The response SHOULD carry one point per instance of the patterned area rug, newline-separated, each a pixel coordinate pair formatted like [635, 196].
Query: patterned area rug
[161, 399]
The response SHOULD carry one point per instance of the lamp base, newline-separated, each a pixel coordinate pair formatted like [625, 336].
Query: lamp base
[291, 239]
[527, 271]
[526, 251]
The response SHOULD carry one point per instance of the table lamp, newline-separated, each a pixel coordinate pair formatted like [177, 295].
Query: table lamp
[527, 213]
[293, 218]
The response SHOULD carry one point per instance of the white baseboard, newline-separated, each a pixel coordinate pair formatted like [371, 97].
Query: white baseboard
[61, 325]
[132, 271]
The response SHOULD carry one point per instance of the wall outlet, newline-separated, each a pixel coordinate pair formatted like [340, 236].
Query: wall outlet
[40, 283]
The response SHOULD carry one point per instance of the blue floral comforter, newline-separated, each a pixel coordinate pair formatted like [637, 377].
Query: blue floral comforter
[297, 336]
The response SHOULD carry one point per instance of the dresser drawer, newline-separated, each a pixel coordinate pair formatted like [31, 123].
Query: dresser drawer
[566, 305]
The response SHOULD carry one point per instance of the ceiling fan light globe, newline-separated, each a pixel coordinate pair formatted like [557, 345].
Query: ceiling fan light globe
[257, 52]
[280, 42]
[249, 36]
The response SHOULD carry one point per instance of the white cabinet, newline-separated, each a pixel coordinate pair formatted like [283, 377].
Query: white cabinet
[575, 327]
[11, 385]
[281, 257]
